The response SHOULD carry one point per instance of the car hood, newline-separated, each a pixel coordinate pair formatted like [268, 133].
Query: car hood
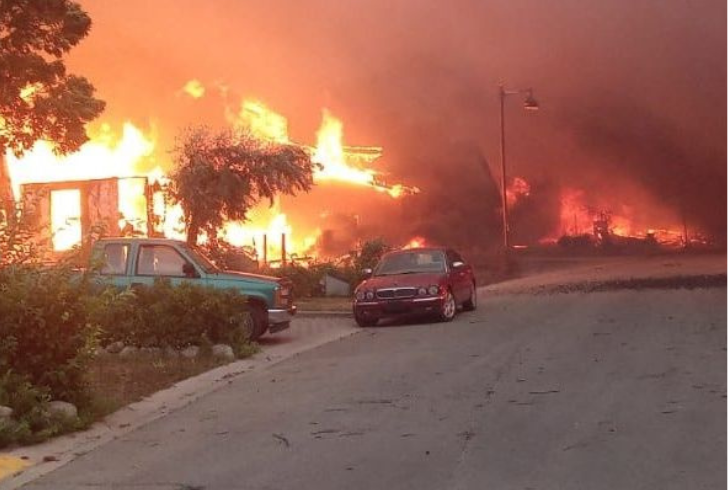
[403, 280]
[246, 276]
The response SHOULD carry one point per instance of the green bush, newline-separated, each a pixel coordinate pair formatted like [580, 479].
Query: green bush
[45, 333]
[163, 315]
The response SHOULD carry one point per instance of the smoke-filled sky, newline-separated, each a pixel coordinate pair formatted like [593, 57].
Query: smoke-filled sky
[633, 92]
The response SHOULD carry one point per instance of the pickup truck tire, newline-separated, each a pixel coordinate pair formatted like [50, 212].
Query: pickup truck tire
[260, 320]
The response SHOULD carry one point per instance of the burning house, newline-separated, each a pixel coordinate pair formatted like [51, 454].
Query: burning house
[104, 189]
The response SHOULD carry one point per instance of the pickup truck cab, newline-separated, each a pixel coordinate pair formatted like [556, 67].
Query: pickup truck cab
[132, 262]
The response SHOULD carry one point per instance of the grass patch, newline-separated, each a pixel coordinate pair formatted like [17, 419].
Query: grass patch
[324, 304]
[116, 381]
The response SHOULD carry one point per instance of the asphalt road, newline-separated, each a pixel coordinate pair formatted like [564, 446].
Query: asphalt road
[608, 390]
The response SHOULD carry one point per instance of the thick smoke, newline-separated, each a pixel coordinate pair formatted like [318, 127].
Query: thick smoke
[632, 94]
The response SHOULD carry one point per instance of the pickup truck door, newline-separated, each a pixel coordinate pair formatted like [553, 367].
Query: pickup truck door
[152, 261]
[115, 261]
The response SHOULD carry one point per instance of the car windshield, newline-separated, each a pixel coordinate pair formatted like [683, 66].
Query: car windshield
[206, 264]
[411, 262]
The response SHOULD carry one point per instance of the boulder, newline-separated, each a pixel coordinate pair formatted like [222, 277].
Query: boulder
[5, 412]
[63, 408]
[115, 347]
[129, 351]
[171, 352]
[190, 352]
[151, 351]
[223, 351]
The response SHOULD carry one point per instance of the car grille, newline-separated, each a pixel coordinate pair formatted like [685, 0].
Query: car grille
[396, 293]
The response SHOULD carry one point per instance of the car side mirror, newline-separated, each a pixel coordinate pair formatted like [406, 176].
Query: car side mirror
[458, 264]
[367, 273]
[189, 270]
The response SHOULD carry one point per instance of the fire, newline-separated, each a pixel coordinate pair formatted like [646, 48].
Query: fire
[415, 242]
[579, 216]
[337, 162]
[129, 156]
[267, 232]
[104, 156]
[333, 157]
[264, 123]
[518, 189]
[194, 89]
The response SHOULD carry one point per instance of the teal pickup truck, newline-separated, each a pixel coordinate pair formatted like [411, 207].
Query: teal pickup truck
[131, 262]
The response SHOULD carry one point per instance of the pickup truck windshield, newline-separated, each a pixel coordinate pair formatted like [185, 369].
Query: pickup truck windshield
[201, 260]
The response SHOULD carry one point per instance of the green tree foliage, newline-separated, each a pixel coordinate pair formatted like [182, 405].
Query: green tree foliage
[371, 252]
[220, 176]
[39, 99]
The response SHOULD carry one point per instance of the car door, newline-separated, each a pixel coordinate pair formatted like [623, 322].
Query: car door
[159, 261]
[458, 277]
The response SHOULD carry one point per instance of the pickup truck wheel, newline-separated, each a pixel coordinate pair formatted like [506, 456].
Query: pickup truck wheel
[259, 316]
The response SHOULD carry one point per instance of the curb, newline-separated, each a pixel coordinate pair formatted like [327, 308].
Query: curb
[323, 313]
[25, 464]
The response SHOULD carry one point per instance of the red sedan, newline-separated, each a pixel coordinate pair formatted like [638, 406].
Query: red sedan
[428, 280]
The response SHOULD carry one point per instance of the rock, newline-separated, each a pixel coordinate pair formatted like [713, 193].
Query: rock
[151, 351]
[129, 351]
[191, 352]
[223, 351]
[115, 347]
[5, 412]
[63, 408]
[171, 352]
[100, 352]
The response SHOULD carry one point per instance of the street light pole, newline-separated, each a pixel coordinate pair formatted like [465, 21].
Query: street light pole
[529, 104]
[504, 196]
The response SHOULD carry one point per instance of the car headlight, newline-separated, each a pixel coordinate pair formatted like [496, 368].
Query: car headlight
[422, 291]
[360, 295]
[369, 295]
[433, 290]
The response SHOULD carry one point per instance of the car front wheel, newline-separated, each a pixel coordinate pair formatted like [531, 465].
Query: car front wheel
[448, 308]
[363, 321]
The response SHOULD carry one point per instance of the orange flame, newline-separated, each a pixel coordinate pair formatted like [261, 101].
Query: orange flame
[518, 189]
[415, 242]
[104, 156]
[334, 158]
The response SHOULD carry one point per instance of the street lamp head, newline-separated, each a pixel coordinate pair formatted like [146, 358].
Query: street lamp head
[530, 104]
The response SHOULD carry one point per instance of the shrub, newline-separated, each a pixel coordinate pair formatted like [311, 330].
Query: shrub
[162, 315]
[31, 422]
[45, 333]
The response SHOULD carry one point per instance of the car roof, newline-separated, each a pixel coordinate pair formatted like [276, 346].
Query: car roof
[419, 249]
[123, 239]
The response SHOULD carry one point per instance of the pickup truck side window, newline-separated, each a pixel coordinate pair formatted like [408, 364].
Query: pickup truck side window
[115, 257]
[160, 260]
